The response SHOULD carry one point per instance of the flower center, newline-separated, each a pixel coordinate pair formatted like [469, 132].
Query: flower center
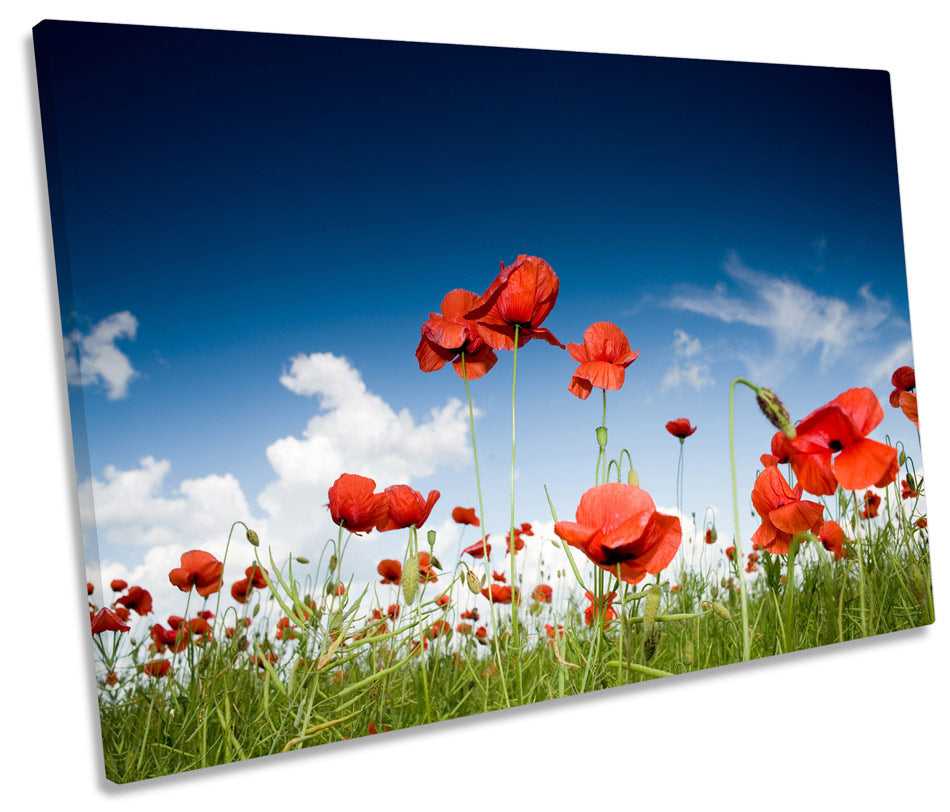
[835, 445]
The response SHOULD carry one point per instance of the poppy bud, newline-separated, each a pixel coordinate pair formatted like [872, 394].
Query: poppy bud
[257, 608]
[721, 610]
[775, 411]
[556, 543]
[302, 560]
[633, 479]
[714, 590]
[902, 459]
[651, 606]
[333, 562]
[433, 560]
[243, 643]
[688, 653]
[431, 538]
[650, 642]
[253, 538]
[911, 482]
[474, 584]
[535, 609]
[601, 434]
[410, 580]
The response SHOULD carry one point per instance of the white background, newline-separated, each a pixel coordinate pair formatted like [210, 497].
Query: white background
[863, 724]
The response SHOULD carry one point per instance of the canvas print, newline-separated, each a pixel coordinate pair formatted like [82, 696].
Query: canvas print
[412, 381]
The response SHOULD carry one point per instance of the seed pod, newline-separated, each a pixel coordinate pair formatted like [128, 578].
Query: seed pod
[650, 642]
[430, 536]
[651, 607]
[688, 653]
[633, 479]
[775, 411]
[601, 434]
[474, 585]
[902, 459]
[333, 562]
[253, 538]
[721, 610]
[410, 580]
[556, 543]
[302, 560]
[257, 608]
[911, 482]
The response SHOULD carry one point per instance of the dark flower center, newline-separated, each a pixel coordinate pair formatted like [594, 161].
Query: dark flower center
[835, 445]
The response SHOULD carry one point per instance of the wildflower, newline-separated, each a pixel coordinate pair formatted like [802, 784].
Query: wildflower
[601, 608]
[783, 512]
[481, 634]
[122, 612]
[440, 628]
[618, 524]
[680, 428]
[832, 539]
[118, 585]
[841, 427]
[471, 614]
[908, 404]
[779, 455]
[904, 381]
[393, 611]
[89, 588]
[391, 570]
[443, 602]
[464, 628]
[921, 522]
[751, 567]
[446, 336]
[156, 668]
[870, 505]
[253, 579]
[200, 570]
[731, 553]
[522, 294]
[355, 504]
[175, 639]
[909, 488]
[478, 549]
[675, 588]
[552, 632]
[270, 656]
[542, 593]
[502, 594]
[603, 357]
[284, 630]
[105, 620]
[138, 600]
[426, 572]
[711, 535]
[406, 507]
[500, 577]
[462, 515]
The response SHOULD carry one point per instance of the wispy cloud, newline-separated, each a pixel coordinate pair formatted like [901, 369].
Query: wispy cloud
[689, 367]
[799, 320]
[93, 358]
[882, 369]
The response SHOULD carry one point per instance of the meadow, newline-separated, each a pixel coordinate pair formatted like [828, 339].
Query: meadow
[294, 655]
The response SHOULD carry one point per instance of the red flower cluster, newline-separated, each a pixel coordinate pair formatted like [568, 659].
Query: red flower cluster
[356, 506]
[502, 594]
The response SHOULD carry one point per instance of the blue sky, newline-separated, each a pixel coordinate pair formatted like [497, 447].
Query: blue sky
[244, 199]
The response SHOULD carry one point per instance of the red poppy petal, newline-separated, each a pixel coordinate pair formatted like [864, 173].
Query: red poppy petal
[431, 356]
[908, 404]
[456, 303]
[574, 533]
[581, 387]
[601, 374]
[766, 535]
[862, 407]
[445, 333]
[814, 473]
[797, 517]
[608, 506]
[865, 463]
[662, 538]
[578, 352]
[477, 363]
[540, 332]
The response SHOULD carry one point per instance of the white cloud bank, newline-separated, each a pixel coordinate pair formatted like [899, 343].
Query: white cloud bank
[93, 359]
[689, 367]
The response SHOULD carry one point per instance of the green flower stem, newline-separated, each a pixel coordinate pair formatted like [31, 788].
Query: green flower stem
[743, 597]
[414, 545]
[859, 549]
[789, 607]
[515, 631]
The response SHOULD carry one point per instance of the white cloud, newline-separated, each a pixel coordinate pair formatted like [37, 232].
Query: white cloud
[901, 355]
[93, 359]
[799, 319]
[689, 368]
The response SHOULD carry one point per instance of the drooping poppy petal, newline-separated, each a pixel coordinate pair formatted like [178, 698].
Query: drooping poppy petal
[450, 336]
[199, 569]
[908, 404]
[462, 515]
[355, 504]
[406, 507]
[603, 357]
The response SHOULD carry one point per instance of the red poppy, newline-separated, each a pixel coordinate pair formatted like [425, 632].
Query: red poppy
[603, 357]
[481, 633]
[832, 539]
[122, 612]
[783, 511]
[602, 608]
[502, 594]
[393, 611]
[284, 630]
[391, 570]
[618, 524]
[552, 633]
[779, 455]
[751, 567]
[841, 427]
[175, 621]
[200, 570]
[255, 576]
[205, 614]
[443, 602]
[542, 593]
[406, 507]
[89, 588]
[426, 571]
[464, 628]
[921, 522]
[270, 656]
[675, 588]
[904, 380]
[870, 505]
[731, 553]
[162, 638]
[138, 600]
[355, 504]
[909, 491]
[711, 535]
[462, 515]
[908, 404]
[478, 549]
[440, 628]
[680, 428]
[449, 334]
[472, 614]
[522, 294]
[519, 543]
[118, 585]
[753, 557]
[500, 577]
[105, 620]
[254, 579]
[156, 668]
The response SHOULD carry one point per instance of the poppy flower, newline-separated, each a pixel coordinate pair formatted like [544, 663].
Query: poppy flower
[393, 611]
[519, 543]
[464, 628]
[602, 608]
[270, 656]
[449, 334]
[522, 294]
[462, 515]
[391, 570]
[908, 404]
[175, 622]
[680, 428]
[89, 588]
[481, 634]
[502, 594]
[675, 588]
[870, 505]
[406, 507]
[731, 553]
[903, 380]
[841, 427]
[426, 572]
[339, 589]
[779, 455]
[542, 593]
[157, 668]
[105, 620]
[832, 539]
[253, 579]
[603, 357]
[552, 632]
[138, 600]
[909, 489]
[200, 570]
[443, 602]
[471, 614]
[478, 549]
[783, 512]
[751, 567]
[205, 614]
[355, 504]
[118, 585]
[122, 612]
[284, 630]
[440, 628]
[753, 557]
[711, 535]
[921, 522]
[618, 525]
[500, 577]
[174, 639]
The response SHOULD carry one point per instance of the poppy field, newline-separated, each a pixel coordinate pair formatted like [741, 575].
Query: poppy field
[830, 545]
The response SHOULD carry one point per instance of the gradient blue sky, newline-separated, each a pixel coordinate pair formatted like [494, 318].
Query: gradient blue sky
[252, 197]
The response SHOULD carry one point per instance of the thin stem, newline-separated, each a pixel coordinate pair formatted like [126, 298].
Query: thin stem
[790, 595]
[859, 549]
[511, 530]
[743, 597]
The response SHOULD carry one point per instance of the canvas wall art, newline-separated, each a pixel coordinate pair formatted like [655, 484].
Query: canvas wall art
[413, 381]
